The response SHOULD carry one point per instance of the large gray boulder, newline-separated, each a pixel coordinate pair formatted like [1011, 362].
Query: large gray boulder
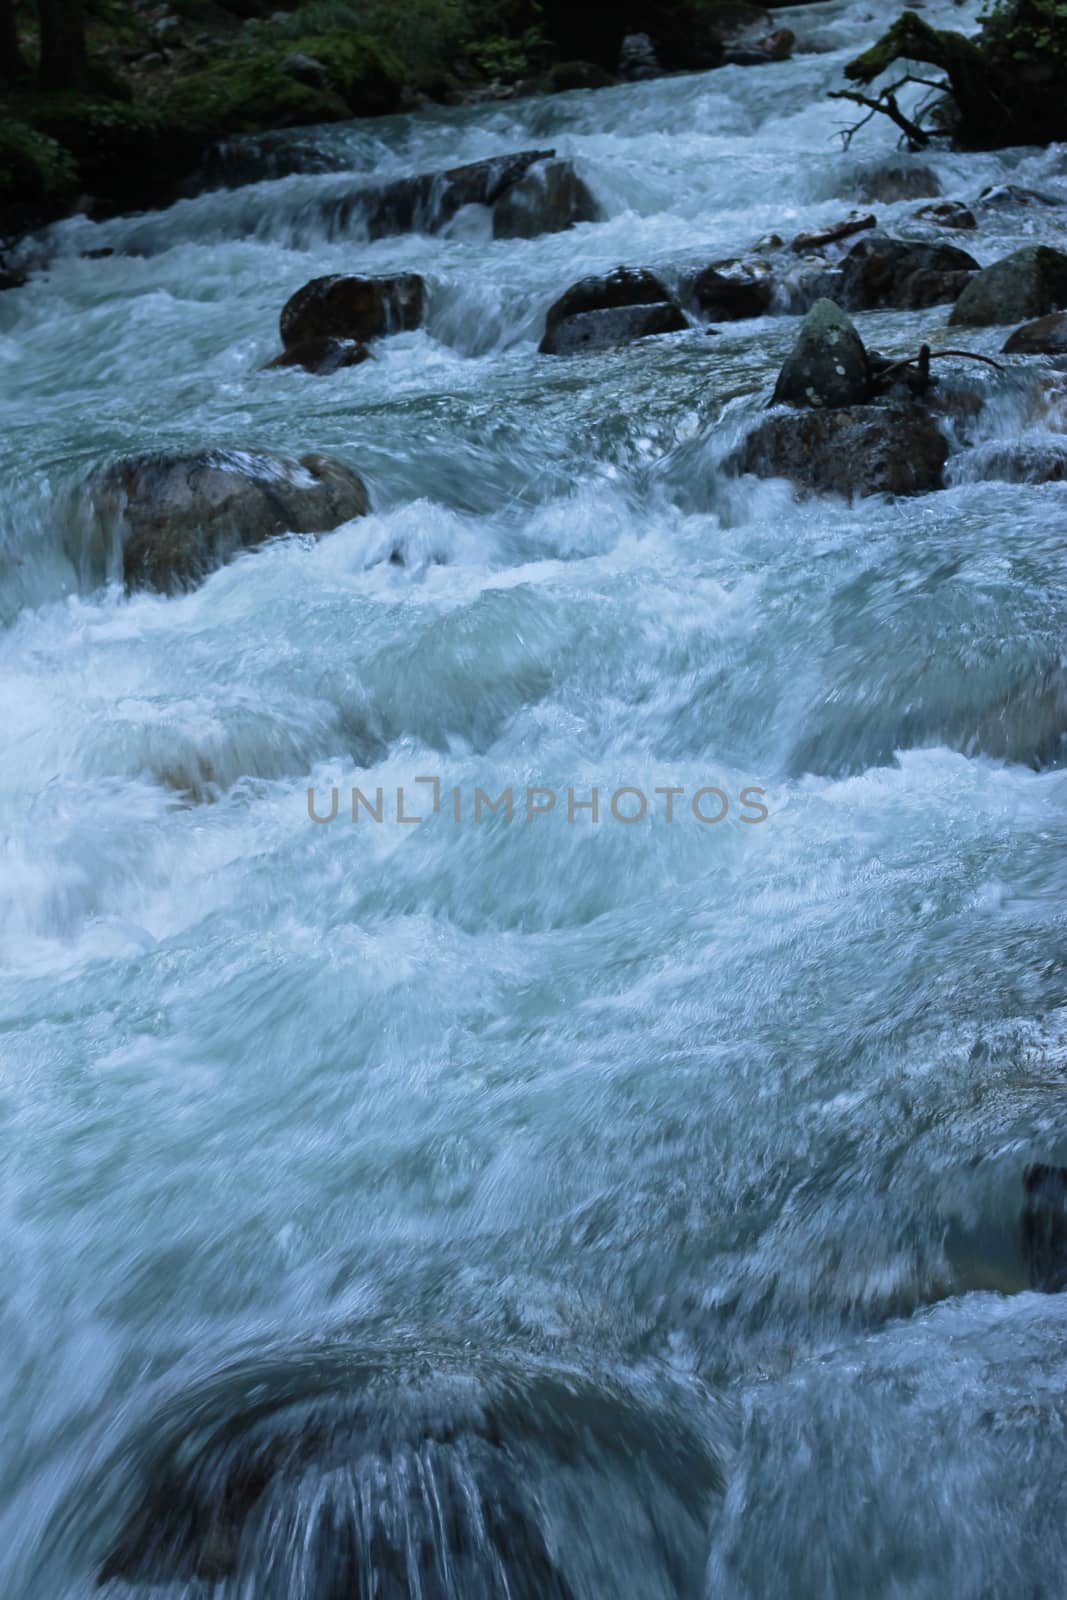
[729, 291]
[853, 451]
[428, 202]
[177, 517]
[1045, 337]
[1029, 283]
[881, 271]
[633, 290]
[549, 199]
[828, 365]
[344, 306]
[612, 326]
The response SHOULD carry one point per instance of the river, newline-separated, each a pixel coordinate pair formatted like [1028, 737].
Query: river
[662, 1176]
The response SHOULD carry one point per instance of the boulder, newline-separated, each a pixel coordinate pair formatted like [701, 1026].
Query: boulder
[1045, 337]
[421, 1472]
[426, 203]
[828, 365]
[948, 214]
[900, 181]
[930, 286]
[253, 158]
[637, 58]
[1028, 461]
[852, 451]
[1029, 283]
[776, 46]
[577, 75]
[321, 355]
[881, 271]
[779, 43]
[622, 289]
[549, 199]
[179, 516]
[343, 307]
[1002, 196]
[731, 290]
[611, 326]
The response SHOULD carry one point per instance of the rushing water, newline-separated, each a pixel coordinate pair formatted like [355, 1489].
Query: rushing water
[640, 1201]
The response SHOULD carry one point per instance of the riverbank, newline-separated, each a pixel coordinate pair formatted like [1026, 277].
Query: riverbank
[170, 80]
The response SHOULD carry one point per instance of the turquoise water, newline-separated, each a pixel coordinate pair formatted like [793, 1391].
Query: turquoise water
[703, 1142]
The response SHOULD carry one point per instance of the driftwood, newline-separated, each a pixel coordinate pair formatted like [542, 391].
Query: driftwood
[839, 230]
[915, 370]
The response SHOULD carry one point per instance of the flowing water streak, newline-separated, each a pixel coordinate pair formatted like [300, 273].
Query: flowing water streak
[744, 1108]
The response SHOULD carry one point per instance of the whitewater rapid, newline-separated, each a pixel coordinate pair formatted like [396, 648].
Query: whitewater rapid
[725, 1122]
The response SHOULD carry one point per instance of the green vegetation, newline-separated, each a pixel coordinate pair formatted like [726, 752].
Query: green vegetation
[33, 165]
[164, 80]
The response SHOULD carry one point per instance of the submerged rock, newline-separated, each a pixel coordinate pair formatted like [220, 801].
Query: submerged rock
[899, 181]
[853, 451]
[776, 46]
[1001, 196]
[1024, 461]
[344, 307]
[881, 271]
[610, 327]
[1045, 337]
[1029, 283]
[252, 158]
[549, 199]
[948, 214]
[356, 1476]
[731, 290]
[1044, 1227]
[598, 312]
[178, 517]
[828, 365]
[321, 355]
[426, 203]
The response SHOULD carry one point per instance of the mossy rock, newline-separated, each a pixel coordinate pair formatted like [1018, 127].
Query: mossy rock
[250, 91]
[576, 75]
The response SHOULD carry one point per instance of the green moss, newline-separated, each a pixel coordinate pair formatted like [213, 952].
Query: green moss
[33, 167]
[1028, 32]
[249, 91]
[368, 76]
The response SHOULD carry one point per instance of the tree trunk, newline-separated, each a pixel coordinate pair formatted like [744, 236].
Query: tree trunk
[1006, 83]
[12, 66]
[64, 60]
